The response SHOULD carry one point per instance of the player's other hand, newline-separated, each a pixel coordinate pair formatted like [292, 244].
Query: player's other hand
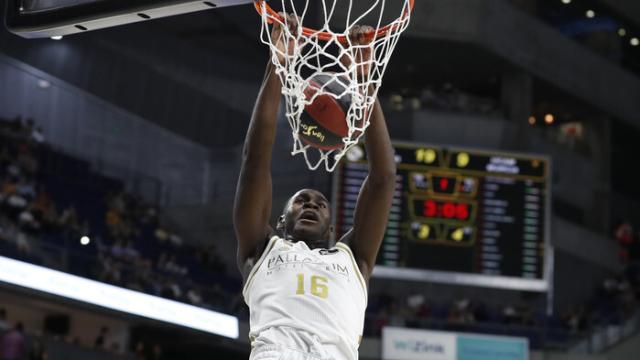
[285, 43]
[360, 49]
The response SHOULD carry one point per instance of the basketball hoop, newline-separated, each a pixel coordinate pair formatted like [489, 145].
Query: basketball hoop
[321, 53]
[323, 35]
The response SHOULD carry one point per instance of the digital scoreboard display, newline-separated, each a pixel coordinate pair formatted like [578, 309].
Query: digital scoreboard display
[459, 216]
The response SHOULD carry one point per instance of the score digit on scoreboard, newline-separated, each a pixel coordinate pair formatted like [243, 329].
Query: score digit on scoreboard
[459, 216]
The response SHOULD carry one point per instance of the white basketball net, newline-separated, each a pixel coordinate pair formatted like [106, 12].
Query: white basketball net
[313, 56]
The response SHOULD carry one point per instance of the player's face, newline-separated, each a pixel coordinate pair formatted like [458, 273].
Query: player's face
[307, 216]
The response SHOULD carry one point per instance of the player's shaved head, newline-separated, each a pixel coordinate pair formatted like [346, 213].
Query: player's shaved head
[307, 217]
[303, 191]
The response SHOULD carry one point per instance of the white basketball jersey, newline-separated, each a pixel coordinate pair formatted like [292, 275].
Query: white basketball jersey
[320, 291]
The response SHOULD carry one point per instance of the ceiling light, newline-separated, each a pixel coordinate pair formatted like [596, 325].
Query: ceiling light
[622, 32]
[549, 119]
[634, 41]
[57, 37]
[591, 13]
[566, 1]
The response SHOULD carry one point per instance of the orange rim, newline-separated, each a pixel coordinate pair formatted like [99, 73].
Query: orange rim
[323, 35]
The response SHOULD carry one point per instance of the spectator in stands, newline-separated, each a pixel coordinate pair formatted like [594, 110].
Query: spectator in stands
[13, 344]
[194, 296]
[117, 203]
[14, 172]
[162, 261]
[397, 314]
[526, 315]
[22, 243]
[44, 209]
[3, 233]
[171, 266]
[27, 161]
[113, 221]
[68, 220]
[381, 320]
[117, 250]
[26, 189]
[461, 313]
[8, 232]
[101, 340]
[114, 347]
[510, 314]
[129, 253]
[38, 135]
[176, 290]
[27, 220]
[156, 353]
[28, 127]
[139, 351]
[110, 271]
[150, 215]
[37, 351]
[415, 304]
[626, 298]
[4, 324]
[5, 158]
[9, 186]
[575, 319]
[15, 202]
[624, 236]
[171, 290]
[161, 234]
[175, 240]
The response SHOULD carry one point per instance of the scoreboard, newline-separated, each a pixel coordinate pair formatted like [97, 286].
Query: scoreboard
[458, 216]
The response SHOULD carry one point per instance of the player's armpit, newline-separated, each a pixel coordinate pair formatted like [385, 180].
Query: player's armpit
[247, 262]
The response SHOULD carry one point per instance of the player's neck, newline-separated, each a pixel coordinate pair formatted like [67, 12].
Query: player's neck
[311, 243]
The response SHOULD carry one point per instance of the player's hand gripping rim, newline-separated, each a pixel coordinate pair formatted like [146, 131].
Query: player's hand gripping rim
[285, 44]
[360, 50]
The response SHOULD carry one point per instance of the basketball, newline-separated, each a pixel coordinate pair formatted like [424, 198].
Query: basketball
[323, 123]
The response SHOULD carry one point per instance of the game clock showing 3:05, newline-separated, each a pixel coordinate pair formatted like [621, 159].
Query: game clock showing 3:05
[458, 215]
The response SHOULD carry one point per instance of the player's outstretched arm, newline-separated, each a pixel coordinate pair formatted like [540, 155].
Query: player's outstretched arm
[252, 207]
[376, 194]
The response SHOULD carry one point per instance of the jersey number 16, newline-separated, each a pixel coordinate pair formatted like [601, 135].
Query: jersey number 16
[319, 286]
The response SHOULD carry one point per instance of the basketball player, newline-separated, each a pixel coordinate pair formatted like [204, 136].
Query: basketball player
[307, 292]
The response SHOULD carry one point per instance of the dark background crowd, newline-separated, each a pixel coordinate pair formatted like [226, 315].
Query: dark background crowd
[116, 237]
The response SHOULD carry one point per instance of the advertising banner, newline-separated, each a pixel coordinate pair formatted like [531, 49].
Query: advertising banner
[410, 344]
